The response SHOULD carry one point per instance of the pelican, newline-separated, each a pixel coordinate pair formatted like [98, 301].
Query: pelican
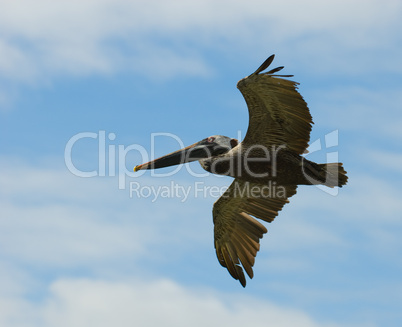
[267, 166]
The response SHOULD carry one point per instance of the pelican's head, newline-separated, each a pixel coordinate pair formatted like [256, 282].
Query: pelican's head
[209, 147]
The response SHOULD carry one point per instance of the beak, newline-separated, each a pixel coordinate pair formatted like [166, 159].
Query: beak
[193, 152]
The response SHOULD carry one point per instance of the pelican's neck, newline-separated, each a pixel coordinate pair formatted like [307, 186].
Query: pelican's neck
[220, 165]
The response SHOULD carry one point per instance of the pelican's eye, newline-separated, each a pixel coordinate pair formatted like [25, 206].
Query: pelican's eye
[210, 139]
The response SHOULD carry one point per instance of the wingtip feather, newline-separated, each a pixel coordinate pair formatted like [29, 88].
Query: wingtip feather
[264, 65]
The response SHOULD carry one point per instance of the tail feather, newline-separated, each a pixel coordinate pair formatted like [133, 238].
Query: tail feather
[333, 174]
[330, 174]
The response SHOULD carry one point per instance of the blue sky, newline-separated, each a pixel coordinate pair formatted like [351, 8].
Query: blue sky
[78, 251]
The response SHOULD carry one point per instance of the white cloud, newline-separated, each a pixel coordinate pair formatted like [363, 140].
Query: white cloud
[42, 38]
[14, 63]
[81, 37]
[84, 302]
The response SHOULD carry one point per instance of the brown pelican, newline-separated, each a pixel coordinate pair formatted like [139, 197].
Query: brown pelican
[267, 166]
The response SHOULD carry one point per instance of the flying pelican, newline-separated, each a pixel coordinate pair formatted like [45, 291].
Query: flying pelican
[267, 166]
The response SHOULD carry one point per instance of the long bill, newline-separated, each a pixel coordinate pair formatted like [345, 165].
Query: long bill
[193, 152]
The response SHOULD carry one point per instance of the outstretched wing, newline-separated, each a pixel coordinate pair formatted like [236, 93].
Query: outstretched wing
[237, 234]
[278, 114]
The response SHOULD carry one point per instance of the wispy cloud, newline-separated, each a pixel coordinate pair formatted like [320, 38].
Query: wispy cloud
[79, 302]
[46, 38]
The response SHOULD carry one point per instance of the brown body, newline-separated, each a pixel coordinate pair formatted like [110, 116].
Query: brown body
[279, 165]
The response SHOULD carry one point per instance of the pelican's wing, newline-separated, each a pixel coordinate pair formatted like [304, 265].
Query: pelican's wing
[278, 113]
[237, 234]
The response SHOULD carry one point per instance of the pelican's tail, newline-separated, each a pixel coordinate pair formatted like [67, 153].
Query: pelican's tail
[330, 174]
[333, 174]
